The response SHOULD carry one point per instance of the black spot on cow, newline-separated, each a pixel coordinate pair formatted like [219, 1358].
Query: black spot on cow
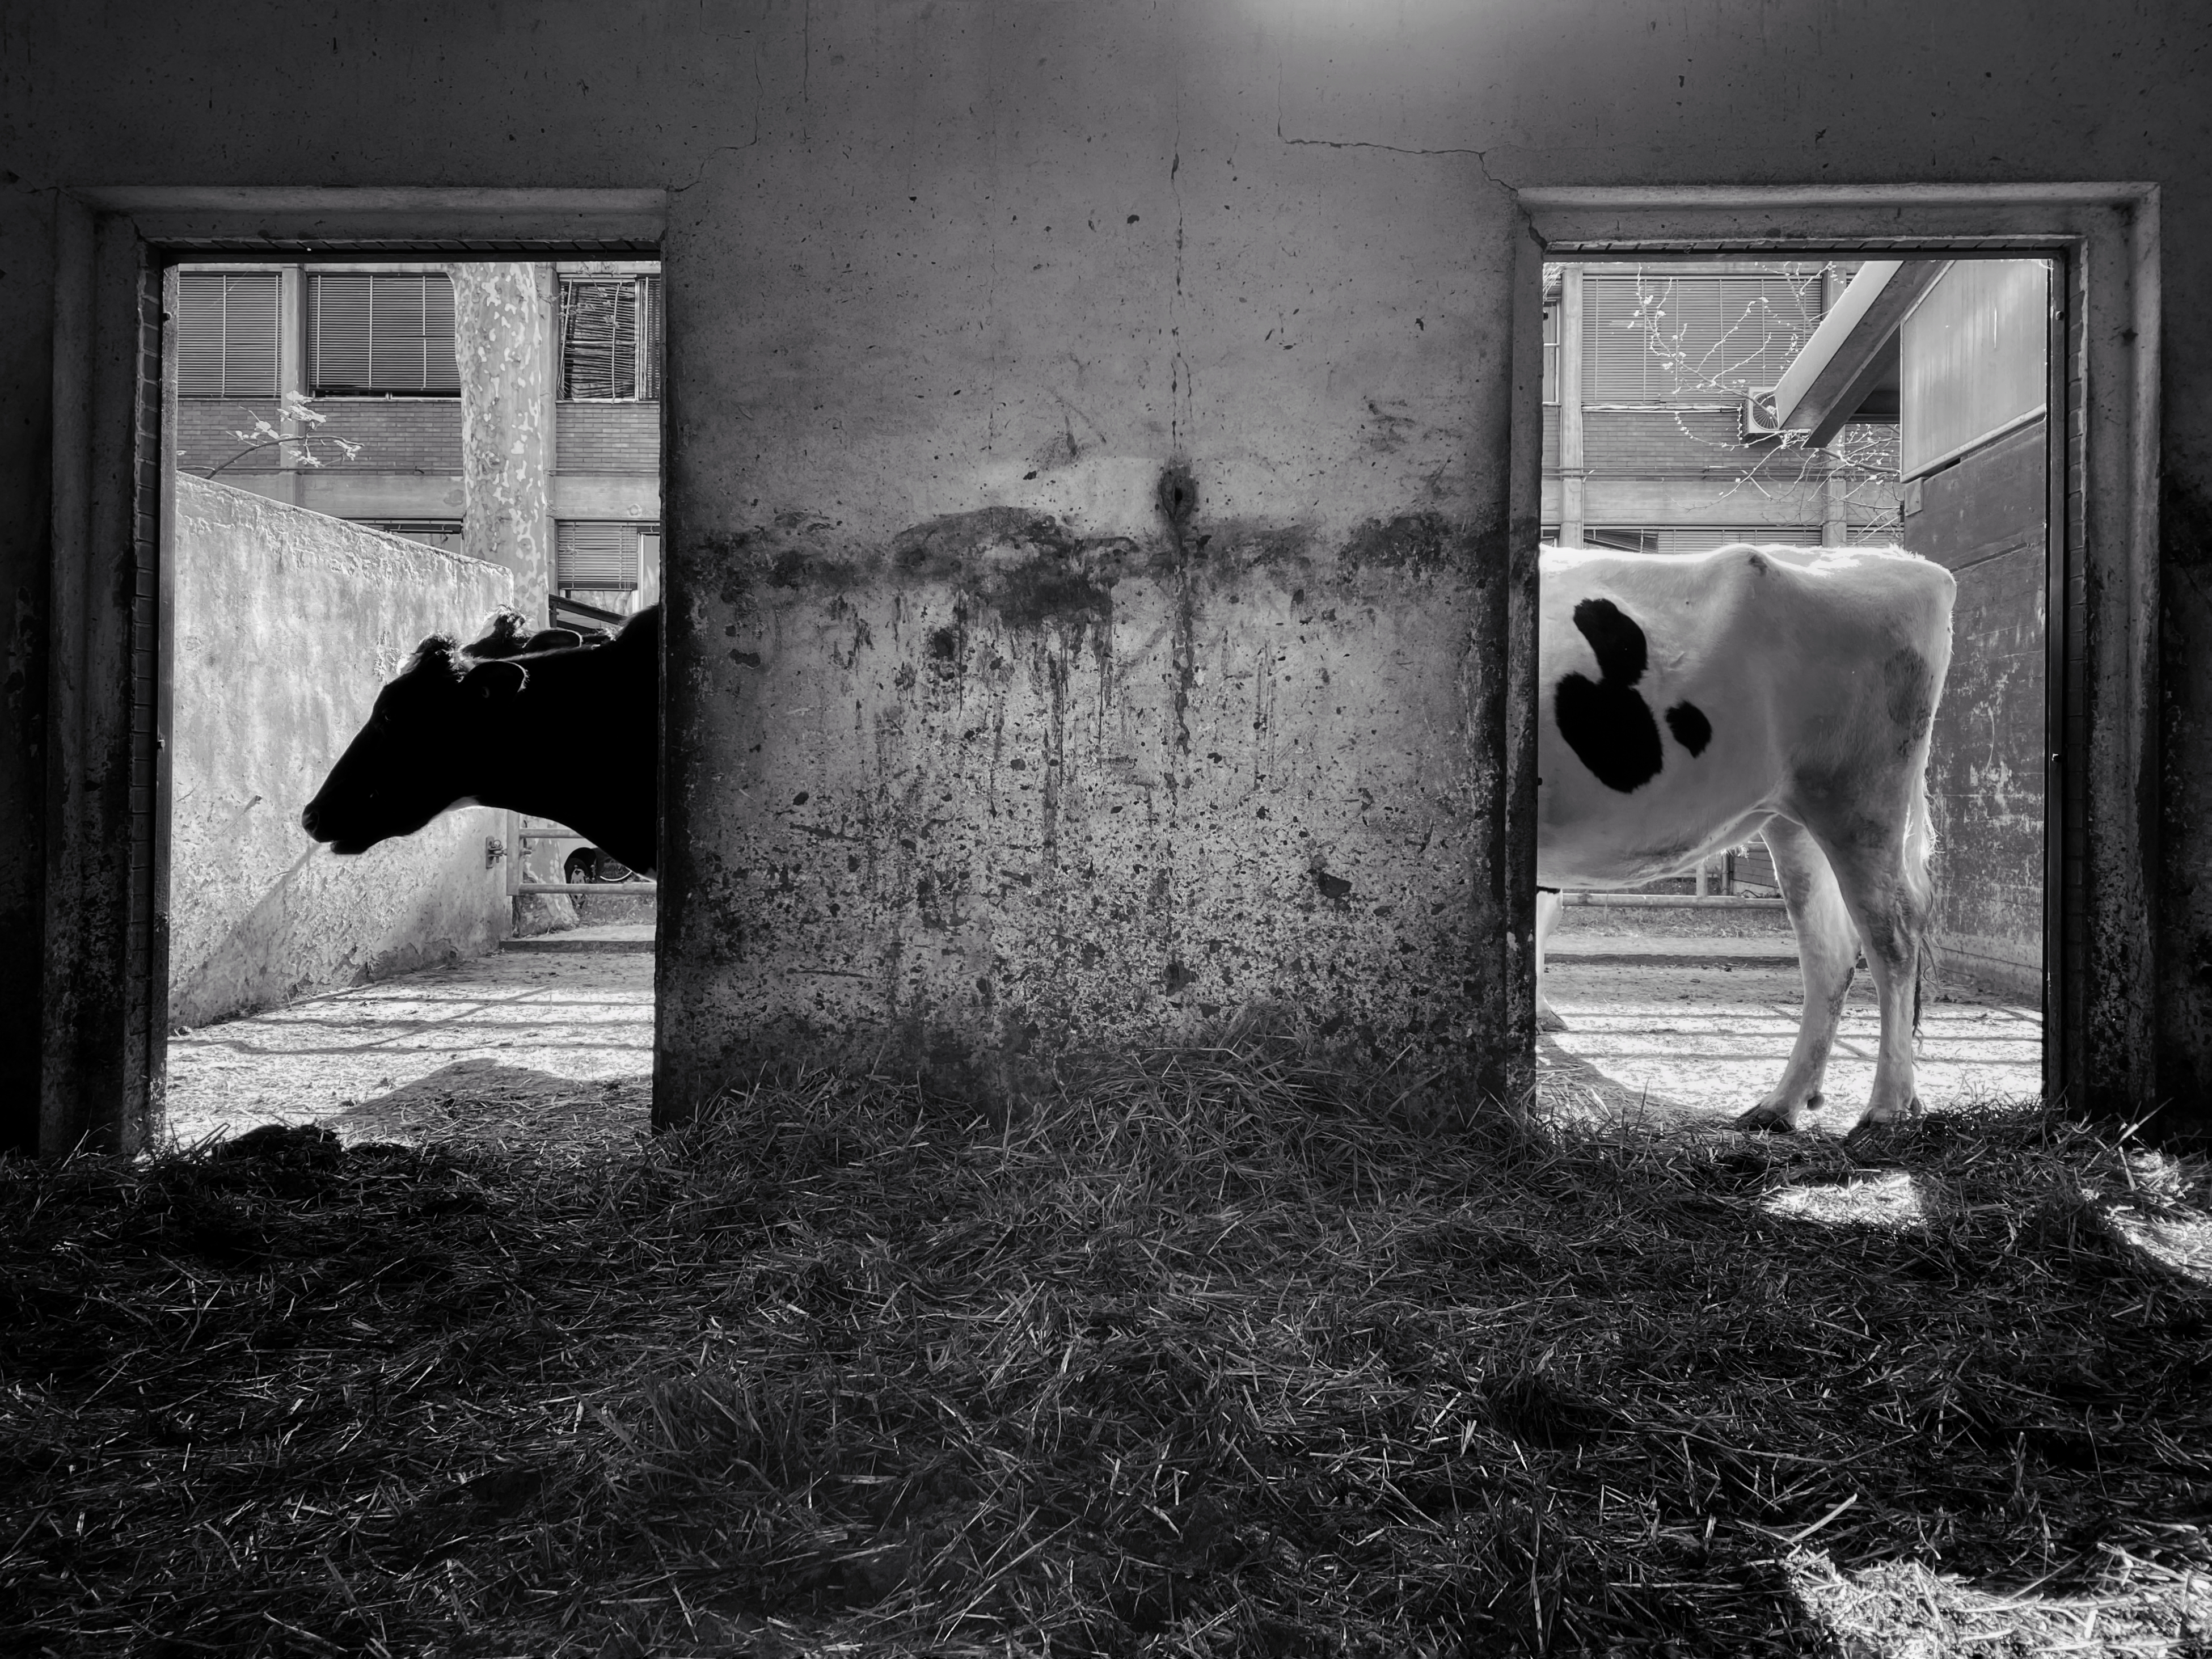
[1690, 726]
[1605, 721]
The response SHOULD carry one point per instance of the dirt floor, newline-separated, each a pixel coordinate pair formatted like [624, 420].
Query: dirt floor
[552, 1040]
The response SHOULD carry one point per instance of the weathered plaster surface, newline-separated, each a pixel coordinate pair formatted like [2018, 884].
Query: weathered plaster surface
[1046, 788]
[286, 625]
[932, 261]
[25, 428]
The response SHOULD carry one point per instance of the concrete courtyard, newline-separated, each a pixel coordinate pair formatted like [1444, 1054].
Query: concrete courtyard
[550, 1040]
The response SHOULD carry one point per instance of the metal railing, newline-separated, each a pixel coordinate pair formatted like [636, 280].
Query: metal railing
[519, 840]
[1716, 889]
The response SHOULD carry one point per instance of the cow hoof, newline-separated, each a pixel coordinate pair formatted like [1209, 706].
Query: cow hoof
[1548, 1021]
[1874, 1124]
[1867, 1132]
[1767, 1120]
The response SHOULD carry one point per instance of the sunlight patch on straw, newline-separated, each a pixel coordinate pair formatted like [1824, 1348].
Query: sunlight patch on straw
[1888, 1197]
[1908, 1607]
[2182, 1243]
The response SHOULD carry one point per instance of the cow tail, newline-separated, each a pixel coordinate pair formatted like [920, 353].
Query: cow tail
[1920, 891]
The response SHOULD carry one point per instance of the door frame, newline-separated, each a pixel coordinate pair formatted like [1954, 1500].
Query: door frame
[104, 1031]
[2100, 812]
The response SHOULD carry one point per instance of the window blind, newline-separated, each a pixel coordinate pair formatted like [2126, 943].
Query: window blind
[225, 328]
[611, 336]
[1655, 339]
[1551, 372]
[371, 333]
[599, 555]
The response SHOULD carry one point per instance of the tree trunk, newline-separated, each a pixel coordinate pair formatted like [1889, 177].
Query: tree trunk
[503, 339]
[503, 326]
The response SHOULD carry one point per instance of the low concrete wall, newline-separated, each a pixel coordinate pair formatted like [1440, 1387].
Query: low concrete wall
[287, 622]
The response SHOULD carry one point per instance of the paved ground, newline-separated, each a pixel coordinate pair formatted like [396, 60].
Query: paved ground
[552, 1039]
[534, 1039]
[1679, 1035]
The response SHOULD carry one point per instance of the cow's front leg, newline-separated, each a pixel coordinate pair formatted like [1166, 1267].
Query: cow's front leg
[1827, 949]
[1547, 917]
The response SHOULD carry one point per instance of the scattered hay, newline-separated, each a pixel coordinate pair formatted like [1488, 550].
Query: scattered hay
[1226, 1349]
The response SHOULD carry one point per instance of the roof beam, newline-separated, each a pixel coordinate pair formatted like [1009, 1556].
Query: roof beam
[1828, 381]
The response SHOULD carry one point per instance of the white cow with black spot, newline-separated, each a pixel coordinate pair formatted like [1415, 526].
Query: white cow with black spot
[1689, 702]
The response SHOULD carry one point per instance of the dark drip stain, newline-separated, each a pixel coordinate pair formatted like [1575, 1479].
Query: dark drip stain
[1605, 721]
[1690, 726]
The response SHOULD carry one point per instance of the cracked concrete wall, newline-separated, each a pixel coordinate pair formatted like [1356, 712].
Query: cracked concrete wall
[953, 286]
[288, 624]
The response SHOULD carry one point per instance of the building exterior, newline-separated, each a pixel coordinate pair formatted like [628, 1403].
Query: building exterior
[1658, 436]
[335, 388]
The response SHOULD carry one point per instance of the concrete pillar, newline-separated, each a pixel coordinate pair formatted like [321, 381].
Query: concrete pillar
[1572, 470]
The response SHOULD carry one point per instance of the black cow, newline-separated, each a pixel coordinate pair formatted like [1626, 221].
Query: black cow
[546, 725]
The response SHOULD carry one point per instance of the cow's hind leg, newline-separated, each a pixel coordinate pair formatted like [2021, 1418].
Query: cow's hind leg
[1893, 917]
[1827, 949]
[1547, 917]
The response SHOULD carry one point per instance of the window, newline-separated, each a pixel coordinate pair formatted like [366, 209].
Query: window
[1696, 538]
[431, 533]
[377, 334]
[610, 339]
[602, 558]
[1651, 338]
[226, 333]
[1551, 352]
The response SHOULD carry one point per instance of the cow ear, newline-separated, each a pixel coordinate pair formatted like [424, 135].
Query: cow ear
[554, 639]
[434, 654]
[503, 638]
[497, 679]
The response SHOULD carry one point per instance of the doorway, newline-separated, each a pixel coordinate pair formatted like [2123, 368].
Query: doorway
[360, 456]
[1690, 404]
[1984, 477]
[318, 298]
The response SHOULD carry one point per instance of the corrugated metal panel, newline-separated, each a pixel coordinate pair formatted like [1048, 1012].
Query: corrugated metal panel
[1973, 358]
[374, 333]
[611, 437]
[1649, 337]
[599, 555]
[1551, 437]
[226, 333]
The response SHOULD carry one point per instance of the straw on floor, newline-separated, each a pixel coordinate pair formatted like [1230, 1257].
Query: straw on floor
[1247, 1347]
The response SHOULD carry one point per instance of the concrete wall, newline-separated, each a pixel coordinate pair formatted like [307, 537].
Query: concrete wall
[952, 285]
[287, 623]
